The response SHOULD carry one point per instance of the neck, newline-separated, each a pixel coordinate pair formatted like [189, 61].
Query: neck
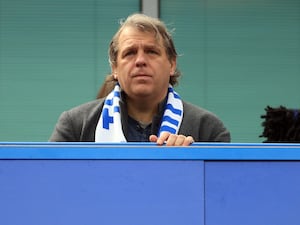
[142, 111]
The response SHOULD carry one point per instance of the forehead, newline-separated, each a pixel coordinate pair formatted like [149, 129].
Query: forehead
[132, 36]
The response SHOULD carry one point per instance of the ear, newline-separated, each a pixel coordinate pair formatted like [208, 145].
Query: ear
[114, 72]
[173, 64]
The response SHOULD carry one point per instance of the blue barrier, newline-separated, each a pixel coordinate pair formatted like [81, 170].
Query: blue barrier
[140, 183]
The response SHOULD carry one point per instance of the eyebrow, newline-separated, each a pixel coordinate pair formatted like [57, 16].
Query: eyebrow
[145, 46]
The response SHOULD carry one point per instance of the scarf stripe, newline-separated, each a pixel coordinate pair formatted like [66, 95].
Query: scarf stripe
[168, 129]
[173, 110]
[170, 120]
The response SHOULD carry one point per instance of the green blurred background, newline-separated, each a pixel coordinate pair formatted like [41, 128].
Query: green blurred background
[236, 56]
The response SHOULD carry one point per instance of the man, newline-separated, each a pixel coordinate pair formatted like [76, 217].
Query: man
[143, 105]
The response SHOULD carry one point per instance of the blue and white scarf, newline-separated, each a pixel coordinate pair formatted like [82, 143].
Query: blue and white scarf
[109, 127]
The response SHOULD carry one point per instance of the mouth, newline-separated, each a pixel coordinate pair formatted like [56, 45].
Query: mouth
[141, 75]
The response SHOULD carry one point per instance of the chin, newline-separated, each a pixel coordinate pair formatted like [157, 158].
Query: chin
[143, 91]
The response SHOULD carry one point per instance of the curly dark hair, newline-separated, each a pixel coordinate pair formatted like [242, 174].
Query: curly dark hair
[281, 125]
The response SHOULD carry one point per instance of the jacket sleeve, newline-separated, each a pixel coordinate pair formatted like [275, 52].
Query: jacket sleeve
[203, 125]
[219, 133]
[63, 131]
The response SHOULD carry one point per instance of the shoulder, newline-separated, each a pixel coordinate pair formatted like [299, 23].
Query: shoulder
[88, 108]
[83, 114]
[78, 123]
[194, 111]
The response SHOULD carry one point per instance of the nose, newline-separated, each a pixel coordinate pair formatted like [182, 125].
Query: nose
[140, 59]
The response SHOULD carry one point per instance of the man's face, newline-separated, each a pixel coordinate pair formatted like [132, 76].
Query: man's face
[143, 68]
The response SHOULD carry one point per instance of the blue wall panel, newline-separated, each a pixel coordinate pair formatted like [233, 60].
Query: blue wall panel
[127, 192]
[252, 192]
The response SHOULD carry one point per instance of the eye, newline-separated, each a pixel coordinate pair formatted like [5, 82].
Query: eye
[152, 51]
[128, 53]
